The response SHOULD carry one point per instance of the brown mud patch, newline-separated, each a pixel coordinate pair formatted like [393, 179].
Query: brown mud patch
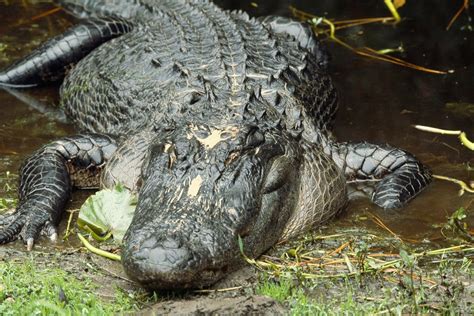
[217, 305]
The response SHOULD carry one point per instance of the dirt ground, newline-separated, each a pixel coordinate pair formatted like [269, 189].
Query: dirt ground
[109, 275]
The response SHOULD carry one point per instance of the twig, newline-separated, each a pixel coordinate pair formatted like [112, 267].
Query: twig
[462, 184]
[462, 135]
[235, 288]
[98, 251]
[69, 221]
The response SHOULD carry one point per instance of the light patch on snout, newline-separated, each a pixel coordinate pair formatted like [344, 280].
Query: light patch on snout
[194, 187]
[217, 135]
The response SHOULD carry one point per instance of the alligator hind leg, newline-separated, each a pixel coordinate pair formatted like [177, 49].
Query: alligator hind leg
[398, 174]
[50, 61]
[46, 181]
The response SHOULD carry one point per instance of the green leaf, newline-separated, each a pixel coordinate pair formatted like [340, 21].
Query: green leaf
[460, 214]
[108, 211]
[406, 258]
[241, 245]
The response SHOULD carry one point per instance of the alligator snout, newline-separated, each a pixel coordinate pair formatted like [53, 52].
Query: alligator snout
[171, 263]
[150, 261]
[165, 256]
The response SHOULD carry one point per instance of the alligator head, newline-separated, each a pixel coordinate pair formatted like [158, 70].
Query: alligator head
[203, 187]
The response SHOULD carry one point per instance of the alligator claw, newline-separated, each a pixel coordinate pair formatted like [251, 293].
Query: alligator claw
[29, 244]
[54, 237]
[26, 225]
[51, 231]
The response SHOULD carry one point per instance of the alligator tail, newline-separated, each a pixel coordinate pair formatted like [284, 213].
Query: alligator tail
[51, 60]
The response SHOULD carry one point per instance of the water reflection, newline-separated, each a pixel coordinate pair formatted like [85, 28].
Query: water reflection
[379, 101]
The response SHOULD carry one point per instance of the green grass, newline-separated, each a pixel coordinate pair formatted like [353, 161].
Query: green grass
[361, 297]
[28, 290]
[357, 272]
[414, 285]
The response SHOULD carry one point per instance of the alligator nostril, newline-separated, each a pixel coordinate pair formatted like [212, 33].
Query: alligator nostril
[149, 243]
[155, 257]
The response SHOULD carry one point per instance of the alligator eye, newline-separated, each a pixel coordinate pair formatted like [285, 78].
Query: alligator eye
[278, 174]
[254, 138]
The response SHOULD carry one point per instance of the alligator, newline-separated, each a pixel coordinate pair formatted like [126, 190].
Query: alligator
[220, 121]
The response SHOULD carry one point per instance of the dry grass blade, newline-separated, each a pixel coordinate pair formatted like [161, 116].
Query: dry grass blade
[370, 53]
[37, 17]
[345, 262]
[377, 220]
[390, 5]
[354, 22]
[332, 26]
[366, 51]
[339, 249]
[464, 6]
[380, 223]
[45, 14]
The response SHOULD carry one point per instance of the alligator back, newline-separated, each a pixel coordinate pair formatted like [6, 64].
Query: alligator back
[190, 61]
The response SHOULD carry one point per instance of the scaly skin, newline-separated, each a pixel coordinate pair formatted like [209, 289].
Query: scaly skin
[221, 123]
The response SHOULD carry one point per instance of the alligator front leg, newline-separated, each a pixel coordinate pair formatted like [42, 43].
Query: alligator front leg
[398, 174]
[46, 181]
[50, 61]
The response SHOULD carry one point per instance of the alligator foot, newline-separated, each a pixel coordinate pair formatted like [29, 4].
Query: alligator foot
[27, 224]
[45, 185]
[398, 174]
[50, 61]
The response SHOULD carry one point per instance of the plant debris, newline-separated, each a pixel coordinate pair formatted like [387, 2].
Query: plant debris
[107, 213]
[329, 27]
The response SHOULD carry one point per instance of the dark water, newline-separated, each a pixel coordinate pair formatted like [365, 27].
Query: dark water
[378, 101]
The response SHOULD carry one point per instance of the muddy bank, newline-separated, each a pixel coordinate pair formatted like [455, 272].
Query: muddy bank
[233, 295]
